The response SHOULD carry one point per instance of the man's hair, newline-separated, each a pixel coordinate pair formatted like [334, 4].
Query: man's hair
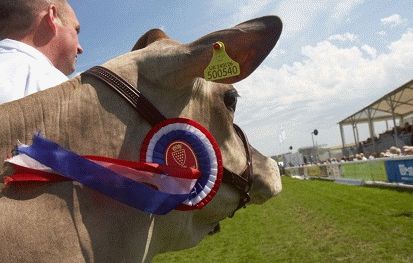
[17, 16]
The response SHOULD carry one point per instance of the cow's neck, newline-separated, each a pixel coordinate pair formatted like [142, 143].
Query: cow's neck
[86, 118]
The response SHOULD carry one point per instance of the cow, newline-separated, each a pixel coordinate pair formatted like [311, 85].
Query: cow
[69, 222]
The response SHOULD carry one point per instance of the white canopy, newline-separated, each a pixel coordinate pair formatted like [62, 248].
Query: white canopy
[399, 103]
[396, 104]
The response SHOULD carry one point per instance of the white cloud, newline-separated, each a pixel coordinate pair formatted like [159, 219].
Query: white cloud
[382, 33]
[298, 15]
[371, 51]
[404, 44]
[250, 9]
[240, 10]
[326, 86]
[393, 20]
[343, 8]
[344, 37]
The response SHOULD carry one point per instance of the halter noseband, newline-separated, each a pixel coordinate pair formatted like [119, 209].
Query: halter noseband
[151, 114]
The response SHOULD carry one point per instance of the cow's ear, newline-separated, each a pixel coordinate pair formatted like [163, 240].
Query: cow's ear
[149, 37]
[248, 43]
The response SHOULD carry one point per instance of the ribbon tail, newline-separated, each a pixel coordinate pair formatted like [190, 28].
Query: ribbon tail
[106, 181]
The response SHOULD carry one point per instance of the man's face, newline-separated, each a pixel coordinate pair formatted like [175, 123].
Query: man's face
[68, 46]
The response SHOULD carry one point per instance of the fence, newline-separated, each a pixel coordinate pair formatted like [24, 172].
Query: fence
[395, 169]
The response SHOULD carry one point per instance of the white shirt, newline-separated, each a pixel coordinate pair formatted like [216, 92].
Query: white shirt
[24, 70]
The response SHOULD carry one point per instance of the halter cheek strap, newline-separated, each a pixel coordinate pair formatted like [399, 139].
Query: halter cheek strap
[241, 182]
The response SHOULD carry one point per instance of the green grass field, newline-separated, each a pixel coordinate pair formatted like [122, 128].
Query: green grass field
[313, 221]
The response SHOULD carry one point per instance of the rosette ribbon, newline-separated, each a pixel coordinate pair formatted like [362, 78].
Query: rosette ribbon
[151, 188]
[180, 168]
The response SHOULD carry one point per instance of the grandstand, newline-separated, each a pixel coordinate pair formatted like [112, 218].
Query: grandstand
[376, 161]
[396, 107]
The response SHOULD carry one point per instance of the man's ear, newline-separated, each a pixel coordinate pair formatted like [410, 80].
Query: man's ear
[52, 18]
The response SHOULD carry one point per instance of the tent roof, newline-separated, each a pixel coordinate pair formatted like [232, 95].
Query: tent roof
[400, 99]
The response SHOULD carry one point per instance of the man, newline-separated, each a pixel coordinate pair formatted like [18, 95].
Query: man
[38, 45]
[408, 150]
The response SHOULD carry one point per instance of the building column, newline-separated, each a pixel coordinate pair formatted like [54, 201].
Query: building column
[371, 128]
[343, 140]
[395, 135]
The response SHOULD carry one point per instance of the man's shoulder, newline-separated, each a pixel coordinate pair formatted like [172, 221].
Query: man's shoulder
[10, 61]
[14, 47]
[12, 58]
[13, 64]
[19, 52]
[13, 78]
[21, 75]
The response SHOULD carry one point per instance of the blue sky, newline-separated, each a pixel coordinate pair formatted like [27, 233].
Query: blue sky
[333, 57]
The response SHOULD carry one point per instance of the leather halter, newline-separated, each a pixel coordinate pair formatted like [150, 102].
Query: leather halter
[151, 114]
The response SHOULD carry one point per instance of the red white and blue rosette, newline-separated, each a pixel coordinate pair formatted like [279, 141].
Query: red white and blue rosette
[180, 142]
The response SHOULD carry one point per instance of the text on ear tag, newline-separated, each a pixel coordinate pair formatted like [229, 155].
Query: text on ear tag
[221, 65]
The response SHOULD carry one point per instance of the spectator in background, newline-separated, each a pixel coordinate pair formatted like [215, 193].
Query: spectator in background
[408, 150]
[360, 148]
[407, 127]
[395, 151]
[38, 45]
[362, 157]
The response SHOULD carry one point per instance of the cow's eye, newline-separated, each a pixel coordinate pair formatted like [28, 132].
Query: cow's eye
[230, 99]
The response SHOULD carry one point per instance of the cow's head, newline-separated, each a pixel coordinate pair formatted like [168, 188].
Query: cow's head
[171, 76]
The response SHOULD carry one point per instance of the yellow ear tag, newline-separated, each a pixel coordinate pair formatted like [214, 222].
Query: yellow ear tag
[221, 65]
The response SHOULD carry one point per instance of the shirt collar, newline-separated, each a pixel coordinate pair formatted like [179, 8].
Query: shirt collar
[10, 44]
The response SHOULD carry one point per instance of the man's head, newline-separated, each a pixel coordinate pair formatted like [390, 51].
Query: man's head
[50, 26]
